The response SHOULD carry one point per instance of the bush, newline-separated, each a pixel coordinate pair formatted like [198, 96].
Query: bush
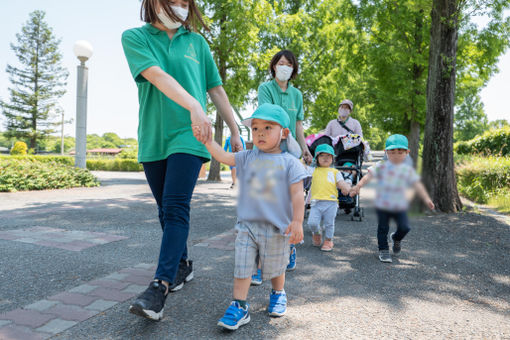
[491, 143]
[482, 179]
[116, 164]
[104, 164]
[30, 174]
[19, 148]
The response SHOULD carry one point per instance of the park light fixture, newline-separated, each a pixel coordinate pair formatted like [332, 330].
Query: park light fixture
[83, 50]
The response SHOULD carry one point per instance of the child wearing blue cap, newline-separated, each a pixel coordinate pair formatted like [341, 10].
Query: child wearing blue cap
[270, 209]
[325, 184]
[393, 176]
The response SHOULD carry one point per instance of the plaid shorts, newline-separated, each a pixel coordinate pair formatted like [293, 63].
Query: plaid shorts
[260, 241]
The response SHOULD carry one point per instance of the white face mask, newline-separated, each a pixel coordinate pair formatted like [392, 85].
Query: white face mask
[182, 13]
[343, 113]
[283, 72]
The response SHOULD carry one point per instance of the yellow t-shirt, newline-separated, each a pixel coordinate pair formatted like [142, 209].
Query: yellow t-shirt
[324, 184]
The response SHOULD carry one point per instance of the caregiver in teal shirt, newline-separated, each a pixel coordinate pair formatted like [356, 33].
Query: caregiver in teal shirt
[174, 71]
[284, 67]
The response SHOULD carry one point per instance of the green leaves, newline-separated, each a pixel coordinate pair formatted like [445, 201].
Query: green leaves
[26, 173]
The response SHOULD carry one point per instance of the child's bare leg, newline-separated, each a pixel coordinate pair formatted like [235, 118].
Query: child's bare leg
[278, 282]
[241, 288]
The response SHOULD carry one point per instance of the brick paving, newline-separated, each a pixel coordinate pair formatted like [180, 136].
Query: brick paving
[223, 241]
[45, 318]
[73, 240]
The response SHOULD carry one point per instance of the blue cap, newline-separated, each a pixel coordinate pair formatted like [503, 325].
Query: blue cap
[324, 148]
[397, 142]
[270, 112]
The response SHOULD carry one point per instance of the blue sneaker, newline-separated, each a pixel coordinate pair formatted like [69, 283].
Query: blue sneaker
[256, 280]
[277, 304]
[292, 258]
[234, 317]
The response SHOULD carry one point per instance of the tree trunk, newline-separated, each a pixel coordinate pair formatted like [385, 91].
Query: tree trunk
[414, 141]
[215, 168]
[414, 124]
[438, 167]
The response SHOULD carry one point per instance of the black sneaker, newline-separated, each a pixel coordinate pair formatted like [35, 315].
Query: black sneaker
[384, 256]
[396, 244]
[151, 303]
[184, 274]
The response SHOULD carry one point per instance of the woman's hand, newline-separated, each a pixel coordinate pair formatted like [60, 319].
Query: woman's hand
[307, 156]
[235, 143]
[200, 124]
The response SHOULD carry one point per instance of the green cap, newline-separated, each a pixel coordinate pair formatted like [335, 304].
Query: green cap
[324, 148]
[270, 112]
[397, 142]
[349, 164]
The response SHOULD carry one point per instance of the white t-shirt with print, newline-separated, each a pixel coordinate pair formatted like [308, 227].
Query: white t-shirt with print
[393, 180]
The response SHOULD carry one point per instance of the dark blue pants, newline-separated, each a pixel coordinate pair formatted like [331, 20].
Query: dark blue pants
[172, 182]
[383, 226]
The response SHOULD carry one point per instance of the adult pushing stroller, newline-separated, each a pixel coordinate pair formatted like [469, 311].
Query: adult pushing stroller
[343, 155]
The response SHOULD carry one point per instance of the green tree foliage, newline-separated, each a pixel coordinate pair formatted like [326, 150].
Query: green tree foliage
[37, 84]
[232, 39]
[19, 148]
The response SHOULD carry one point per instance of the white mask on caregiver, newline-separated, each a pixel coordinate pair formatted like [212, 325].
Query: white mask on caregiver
[343, 113]
[283, 72]
[182, 13]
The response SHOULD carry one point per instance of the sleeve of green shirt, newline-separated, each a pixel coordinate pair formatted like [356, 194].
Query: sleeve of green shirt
[138, 54]
[300, 114]
[264, 95]
[212, 75]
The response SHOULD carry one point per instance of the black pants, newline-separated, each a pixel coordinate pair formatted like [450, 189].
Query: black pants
[383, 226]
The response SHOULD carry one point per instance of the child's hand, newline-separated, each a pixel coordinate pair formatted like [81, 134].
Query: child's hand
[354, 191]
[430, 204]
[346, 190]
[295, 229]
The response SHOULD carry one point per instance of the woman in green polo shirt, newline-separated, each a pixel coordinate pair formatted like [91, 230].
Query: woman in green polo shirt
[173, 70]
[284, 67]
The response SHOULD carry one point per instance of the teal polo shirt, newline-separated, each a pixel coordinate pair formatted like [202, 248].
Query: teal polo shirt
[291, 101]
[164, 127]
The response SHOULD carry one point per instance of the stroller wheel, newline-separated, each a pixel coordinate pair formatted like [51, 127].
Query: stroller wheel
[362, 212]
[352, 218]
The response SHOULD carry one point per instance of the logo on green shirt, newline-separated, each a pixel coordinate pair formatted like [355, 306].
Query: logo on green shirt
[191, 54]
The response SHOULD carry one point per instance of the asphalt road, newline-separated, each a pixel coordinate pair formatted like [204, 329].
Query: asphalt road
[452, 279]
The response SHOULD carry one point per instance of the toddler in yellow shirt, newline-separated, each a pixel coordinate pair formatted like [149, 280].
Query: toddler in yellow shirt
[324, 205]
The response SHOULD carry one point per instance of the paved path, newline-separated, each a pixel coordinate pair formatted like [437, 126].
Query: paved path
[72, 260]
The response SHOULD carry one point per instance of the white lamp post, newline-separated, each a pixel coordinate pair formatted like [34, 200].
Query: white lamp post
[83, 50]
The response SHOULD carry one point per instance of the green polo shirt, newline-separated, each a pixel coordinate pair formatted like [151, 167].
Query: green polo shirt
[164, 127]
[291, 101]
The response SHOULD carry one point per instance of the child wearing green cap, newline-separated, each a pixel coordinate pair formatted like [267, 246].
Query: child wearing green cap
[270, 209]
[393, 177]
[325, 184]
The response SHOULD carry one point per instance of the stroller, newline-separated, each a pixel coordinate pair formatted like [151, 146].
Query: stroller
[353, 155]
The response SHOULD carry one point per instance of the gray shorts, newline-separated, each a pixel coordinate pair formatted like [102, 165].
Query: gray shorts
[260, 241]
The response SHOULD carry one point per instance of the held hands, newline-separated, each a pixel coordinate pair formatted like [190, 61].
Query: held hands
[235, 142]
[354, 191]
[307, 156]
[200, 124]
[295, 229]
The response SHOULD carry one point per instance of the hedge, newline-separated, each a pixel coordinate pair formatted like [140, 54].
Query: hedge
[103, 164]
[30, 174]
[491, 143]
[114, 164]
[481, 178]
